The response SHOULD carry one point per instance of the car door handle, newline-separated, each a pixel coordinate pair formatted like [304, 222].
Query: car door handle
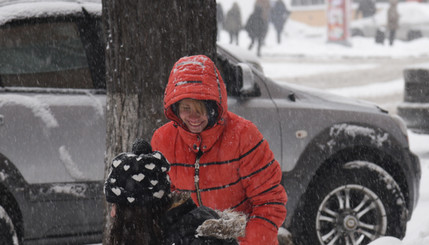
[1, 119]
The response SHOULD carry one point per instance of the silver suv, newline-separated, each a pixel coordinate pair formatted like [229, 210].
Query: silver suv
[347, 167]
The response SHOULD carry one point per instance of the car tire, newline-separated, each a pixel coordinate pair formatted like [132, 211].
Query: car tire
[357, 32]
[8, 235]
[361, 201]
[414, 34]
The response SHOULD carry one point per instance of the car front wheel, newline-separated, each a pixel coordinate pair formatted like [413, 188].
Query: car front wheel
[8, 234]
[353, 205]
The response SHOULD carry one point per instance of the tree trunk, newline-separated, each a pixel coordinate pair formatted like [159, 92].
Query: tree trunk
[143, 40]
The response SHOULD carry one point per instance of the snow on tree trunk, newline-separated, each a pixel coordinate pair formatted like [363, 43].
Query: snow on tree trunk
[143, 41]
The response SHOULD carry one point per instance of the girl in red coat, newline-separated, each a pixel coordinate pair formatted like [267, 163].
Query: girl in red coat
[221, 158]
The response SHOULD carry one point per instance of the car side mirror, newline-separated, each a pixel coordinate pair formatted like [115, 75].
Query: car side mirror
[246, 78]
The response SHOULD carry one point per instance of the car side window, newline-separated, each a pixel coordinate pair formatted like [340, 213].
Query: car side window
[46, 55]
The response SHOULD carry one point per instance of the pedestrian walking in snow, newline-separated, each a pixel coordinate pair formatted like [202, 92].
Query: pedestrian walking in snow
[219, 18]
[279, 15]
[220, 158]
[233, 23]
[392, 20]
[257, 27]
[144, 212]
[265, 5]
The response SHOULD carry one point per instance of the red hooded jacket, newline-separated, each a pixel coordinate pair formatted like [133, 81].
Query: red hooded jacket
[228, 165]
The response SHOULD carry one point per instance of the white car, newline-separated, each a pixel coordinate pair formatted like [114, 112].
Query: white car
[413, 22]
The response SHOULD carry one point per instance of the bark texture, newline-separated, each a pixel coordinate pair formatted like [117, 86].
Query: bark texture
[143, 40]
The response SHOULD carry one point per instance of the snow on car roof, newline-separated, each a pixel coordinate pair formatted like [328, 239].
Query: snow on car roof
[16, 10]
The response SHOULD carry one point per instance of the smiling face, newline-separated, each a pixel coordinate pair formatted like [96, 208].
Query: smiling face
[194, 114]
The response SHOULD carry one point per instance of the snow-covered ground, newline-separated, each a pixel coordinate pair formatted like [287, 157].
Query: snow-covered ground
[418, 226]
[300, 40]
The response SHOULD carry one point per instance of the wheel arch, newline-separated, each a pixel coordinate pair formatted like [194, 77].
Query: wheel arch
[340, 144]
[11, 183]
[9, 203]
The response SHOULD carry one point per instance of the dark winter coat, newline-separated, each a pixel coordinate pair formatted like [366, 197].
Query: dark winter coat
[367, 8]
[179, 225]
[256, 25]
[227, 166]
[279, 15]
[233, 19]
[266, 8]
[219, 14]
[139, 187]
[143, 216]
[392, 16]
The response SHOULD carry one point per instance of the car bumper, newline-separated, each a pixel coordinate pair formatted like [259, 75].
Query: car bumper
[414, 183]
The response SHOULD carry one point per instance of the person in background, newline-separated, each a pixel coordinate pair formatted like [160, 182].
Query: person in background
[257, 27]
[392, 20]
[265, 5]
[279, 15]
[219, 18]
[367, 8]
[233, 23]
[144, 211]
[218, 156]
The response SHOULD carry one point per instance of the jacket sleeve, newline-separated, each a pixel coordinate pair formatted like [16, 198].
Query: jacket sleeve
[158, 143]
[261, 176]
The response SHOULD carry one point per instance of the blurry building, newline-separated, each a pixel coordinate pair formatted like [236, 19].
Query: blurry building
[313, 12]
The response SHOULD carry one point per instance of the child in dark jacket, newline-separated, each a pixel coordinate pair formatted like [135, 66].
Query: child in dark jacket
[145, 212]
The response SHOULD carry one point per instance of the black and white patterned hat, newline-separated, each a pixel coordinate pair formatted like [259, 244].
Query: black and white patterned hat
[138, 179]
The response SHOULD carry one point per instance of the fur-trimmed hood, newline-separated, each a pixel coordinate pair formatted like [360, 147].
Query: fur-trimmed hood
[229, 225]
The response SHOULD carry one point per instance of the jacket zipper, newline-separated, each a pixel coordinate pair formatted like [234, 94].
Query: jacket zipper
[197, 177]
